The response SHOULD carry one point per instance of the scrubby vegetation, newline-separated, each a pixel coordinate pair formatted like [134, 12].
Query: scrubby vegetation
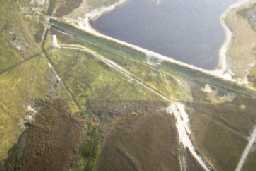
[52, 133]
[252, 76]
[104, 116]
[89, 148]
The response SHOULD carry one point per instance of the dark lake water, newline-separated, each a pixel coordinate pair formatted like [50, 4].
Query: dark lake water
[187, 30]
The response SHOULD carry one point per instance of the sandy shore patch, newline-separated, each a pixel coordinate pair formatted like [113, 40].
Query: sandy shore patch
[240, 55]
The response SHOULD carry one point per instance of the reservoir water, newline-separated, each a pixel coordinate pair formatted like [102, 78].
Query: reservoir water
[186, 30]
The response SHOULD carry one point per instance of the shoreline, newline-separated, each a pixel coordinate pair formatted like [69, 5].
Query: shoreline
[221, 70]
[98, 12]
[223, 66]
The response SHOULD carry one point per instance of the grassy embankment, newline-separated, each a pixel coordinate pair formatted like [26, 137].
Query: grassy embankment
[106, 93]
[90, 81]
[102, 93]
[121, 54]
[227, 125]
